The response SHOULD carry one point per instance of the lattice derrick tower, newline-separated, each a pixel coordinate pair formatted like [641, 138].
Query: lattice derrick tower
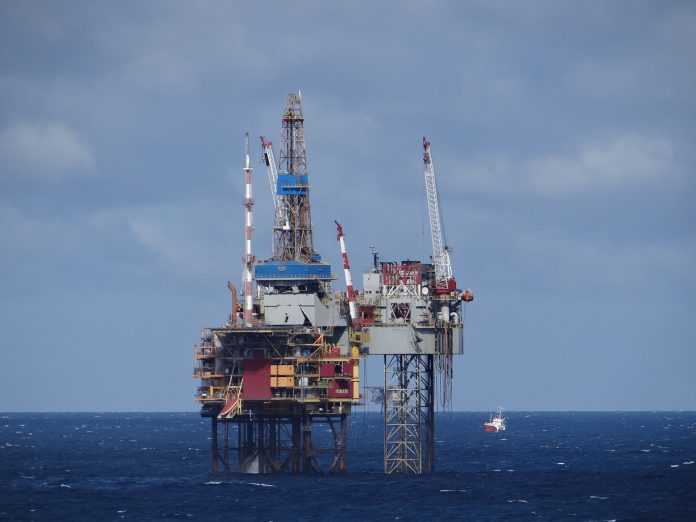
[293, 239]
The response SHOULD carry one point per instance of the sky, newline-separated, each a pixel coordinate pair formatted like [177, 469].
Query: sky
[563, 143]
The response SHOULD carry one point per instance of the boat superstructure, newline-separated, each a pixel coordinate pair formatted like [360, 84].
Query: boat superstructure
[497, 422]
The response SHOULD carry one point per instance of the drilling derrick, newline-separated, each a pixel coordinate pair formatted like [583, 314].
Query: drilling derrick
[293, 239]
[290, 364]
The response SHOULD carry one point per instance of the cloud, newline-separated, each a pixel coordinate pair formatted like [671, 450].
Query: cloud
[45, 150]
[148, 241]
[181, 49]
[596, 264]
[520, 256]
[621, 162]
[154, 237]
[177, 239]
[624, 161]
[21, 232]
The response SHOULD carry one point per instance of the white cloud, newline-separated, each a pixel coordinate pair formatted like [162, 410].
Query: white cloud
[134, 242]
[622, 162]
[45, 150]
[181, 240]
[605, 265]
[154, 237]
[556, 261]
[181, 48]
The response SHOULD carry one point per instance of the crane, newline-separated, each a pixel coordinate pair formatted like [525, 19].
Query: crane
[269, 159]
[444, 282]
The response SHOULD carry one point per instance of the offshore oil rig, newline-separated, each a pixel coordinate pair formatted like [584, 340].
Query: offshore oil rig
[288, 359]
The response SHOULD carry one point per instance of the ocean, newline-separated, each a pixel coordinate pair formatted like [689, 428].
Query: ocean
[546, 466]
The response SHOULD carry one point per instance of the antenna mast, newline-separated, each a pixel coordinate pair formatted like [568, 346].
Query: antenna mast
[248, 256]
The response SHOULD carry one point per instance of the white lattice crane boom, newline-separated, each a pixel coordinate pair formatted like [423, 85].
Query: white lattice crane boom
[444, 282]
[269, 159]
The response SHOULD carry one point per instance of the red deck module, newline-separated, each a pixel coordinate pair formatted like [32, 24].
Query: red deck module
[257, 378]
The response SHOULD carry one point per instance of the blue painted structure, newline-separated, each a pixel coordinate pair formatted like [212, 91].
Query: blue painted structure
[292, 184]
[295, 270]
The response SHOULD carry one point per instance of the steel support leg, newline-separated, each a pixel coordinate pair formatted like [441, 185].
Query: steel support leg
[213, 444]
[409, 414]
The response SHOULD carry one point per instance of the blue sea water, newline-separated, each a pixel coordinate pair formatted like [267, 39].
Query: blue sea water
[547, 466]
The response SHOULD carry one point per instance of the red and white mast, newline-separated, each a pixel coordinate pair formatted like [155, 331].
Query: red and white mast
[352, 306]
[248, 256]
